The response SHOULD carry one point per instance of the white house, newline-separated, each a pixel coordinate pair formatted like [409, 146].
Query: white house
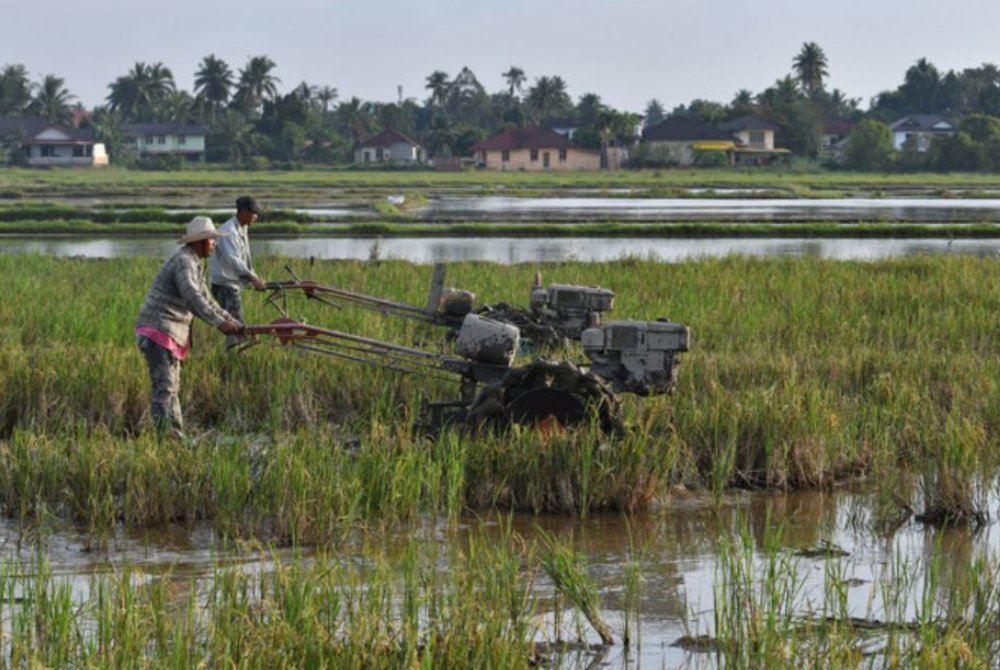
[389, 146]
[922, 127]
[46, 144]
[167, 139]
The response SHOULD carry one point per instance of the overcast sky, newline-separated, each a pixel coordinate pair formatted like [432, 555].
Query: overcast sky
[628, 51]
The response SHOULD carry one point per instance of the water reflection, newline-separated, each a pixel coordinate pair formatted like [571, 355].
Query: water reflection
[524, 250]
[714, 209]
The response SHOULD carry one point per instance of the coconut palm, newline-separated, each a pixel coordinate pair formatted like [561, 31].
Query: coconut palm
[52, 100]
[438, 85]
[213, 83]
[326, 95]
[810, 67]
[548, 97]
[231, 138]
[515, 80]
[179, 107]
[257, 84]
[588, 107]
[354, 119]
[138, 94]
[15, 90]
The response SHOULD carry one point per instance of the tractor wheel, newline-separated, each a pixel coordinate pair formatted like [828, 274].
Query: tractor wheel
[544, 393]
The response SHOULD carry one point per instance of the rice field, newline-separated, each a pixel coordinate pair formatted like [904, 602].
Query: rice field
[803, 375]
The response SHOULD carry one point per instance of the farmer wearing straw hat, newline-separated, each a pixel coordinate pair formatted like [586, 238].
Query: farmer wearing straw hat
[163, 328]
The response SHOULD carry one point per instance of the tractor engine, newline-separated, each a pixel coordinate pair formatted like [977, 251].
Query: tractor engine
[570, 309]
[636, 356]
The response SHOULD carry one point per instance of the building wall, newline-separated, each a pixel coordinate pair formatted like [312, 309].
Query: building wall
[171, 144]
[744, 136]
[62, 155]
[923, 139]
[400, 152]
[576, 159]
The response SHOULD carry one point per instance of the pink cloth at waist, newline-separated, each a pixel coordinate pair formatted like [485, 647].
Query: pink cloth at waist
[170, 344]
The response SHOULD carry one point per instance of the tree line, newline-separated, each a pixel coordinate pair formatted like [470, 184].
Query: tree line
[251, 121]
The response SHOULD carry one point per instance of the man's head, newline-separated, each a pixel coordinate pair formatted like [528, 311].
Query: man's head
[247, 210]
[200, 236]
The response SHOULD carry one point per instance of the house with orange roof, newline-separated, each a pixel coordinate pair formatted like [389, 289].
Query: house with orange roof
[534, 149]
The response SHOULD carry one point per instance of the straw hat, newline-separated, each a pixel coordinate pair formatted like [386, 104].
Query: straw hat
[200, 228]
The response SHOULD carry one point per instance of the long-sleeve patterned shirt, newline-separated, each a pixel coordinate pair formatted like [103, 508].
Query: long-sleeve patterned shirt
[177, 295]
[231, 264]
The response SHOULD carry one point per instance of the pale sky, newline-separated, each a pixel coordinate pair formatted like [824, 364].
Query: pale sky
[627, 51]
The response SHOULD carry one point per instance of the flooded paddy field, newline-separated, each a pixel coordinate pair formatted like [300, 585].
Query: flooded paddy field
[513, 250]
[820, 490]
[673, 586]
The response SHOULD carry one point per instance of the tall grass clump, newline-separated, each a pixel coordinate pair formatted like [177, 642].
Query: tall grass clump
[804, 374]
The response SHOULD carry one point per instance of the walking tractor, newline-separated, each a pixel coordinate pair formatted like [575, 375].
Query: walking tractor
[624, 356]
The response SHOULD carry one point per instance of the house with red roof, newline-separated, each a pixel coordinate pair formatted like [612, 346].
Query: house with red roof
[534, 149]
[389, 146]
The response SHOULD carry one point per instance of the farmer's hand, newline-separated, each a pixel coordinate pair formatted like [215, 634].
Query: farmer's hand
[257, 283]
[232, 328]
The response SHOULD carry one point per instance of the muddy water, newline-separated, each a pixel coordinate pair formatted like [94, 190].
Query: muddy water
[679, 556]
[522, 249]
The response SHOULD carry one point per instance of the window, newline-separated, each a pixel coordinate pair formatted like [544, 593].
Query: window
[182, 139]
[534, 154]
[161, 139]
[149, 139]
[77, 151]
[756, 139]
[379, 154]
[90, 150]
[562, 155]
[48, 151]
[505, 156]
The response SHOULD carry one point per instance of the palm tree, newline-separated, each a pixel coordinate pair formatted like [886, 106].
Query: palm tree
[354, 119]
[810, 67]
[138, 94]
[213, 82]
[654, 113]
[179, 108]
[15, 90]
[588, 107]
[231, 138]
[515, 80]
[326, 95]
[52, 100]
[438, 85]
[548, 97]
[257, 84]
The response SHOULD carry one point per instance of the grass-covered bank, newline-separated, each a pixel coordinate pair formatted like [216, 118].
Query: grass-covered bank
[803, 373]
[222, 182]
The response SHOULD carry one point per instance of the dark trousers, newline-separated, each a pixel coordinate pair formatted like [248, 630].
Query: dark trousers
[165, 376]
[229, 300]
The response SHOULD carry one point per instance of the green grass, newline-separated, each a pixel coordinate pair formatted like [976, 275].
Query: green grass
[803, 373]
[221, 184]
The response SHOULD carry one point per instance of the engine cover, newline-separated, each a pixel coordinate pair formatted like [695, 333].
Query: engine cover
[636, 356]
